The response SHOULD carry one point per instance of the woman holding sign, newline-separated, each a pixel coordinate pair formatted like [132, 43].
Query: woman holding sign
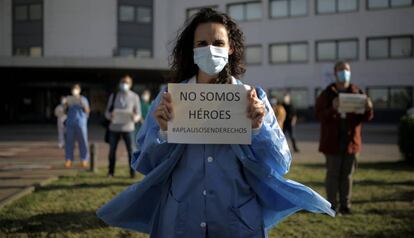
[210, 190]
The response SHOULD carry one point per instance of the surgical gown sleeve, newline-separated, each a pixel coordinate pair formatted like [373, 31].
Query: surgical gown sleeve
[152, 148]
[269, 143]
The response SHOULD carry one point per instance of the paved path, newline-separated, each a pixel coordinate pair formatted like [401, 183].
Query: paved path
[29, 156]
[27, 162]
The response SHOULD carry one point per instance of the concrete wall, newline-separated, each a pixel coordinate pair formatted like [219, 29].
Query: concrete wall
[5, 28]
[80, 28]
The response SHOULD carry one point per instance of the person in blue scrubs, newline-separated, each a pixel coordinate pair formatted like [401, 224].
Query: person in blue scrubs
[77, 107]
[210, 190]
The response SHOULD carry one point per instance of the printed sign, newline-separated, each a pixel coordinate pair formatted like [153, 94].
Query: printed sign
[209, 114]
[122, 116]
[72, 100]
[352, 103]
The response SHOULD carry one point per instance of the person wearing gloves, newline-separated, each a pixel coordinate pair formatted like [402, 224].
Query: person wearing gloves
[210, 190]
[77, 107]
[123, 111]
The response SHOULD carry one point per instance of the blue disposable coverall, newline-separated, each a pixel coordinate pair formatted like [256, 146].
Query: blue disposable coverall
[77, 130]
[225, 191]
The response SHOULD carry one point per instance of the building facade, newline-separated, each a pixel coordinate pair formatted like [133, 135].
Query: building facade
[47, 45]
[291, 46]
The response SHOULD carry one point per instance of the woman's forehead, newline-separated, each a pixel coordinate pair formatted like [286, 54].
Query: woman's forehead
[209, 30]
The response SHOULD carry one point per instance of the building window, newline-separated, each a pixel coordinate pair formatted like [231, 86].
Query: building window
[35, 12]
[144, 14]
[126, 13]
[191, 11]
[391, 97]
[20, 13]
[28, 12]
[336, 6]
[36, 51]
[33, 51]
[299, 96]
[333, 50]
[390, 47]
[296, 52]
[138, 14]
[129, 52]
[384, 4]
[143, 53]
[253, 54]
[126, 52]
[247, 11]
[288, 8]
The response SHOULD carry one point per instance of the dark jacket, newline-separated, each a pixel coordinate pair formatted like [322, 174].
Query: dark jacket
[330, 122]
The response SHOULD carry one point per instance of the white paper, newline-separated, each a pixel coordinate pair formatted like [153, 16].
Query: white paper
[352, 103]
[72, 100]
[209, 114]
[121, 116]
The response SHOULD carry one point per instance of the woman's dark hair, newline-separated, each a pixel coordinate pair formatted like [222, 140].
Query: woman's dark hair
[339, 64]
[182, 62]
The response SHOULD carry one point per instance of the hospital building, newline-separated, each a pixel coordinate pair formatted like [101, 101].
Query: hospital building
[291, 46]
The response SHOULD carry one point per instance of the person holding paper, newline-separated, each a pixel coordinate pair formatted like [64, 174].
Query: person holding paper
[77, 107]
[210, 190]
[123, 111]
[340, 137]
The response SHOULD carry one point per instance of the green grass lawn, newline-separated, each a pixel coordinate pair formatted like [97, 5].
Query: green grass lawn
[383, 206]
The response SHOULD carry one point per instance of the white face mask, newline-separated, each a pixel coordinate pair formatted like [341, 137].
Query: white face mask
[75, 92]
[211, 59]
[145, 97]
[123, 87]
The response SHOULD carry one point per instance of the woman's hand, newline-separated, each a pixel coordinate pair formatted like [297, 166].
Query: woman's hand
[163, 113]
[256, 110]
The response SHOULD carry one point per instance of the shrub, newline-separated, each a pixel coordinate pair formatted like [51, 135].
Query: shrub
[406, 138]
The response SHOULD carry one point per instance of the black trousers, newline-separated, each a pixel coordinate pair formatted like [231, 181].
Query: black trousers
[339, 171]
[288, 129]
[114, 138]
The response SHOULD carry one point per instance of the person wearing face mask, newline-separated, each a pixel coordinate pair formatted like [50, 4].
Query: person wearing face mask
[145, 106]
[60, 114]
[77, 107]
[145, 103]
[210, 190]
[127, 102]
[340, 137]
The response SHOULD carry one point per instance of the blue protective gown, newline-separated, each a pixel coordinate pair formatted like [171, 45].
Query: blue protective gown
[77, 130]
[220, 190]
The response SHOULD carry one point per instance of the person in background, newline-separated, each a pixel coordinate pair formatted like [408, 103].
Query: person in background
[340, 137]
[77, 107]
[145, 106]
[61, 117]
[290, 122]
[126, 102]
[279, 110]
